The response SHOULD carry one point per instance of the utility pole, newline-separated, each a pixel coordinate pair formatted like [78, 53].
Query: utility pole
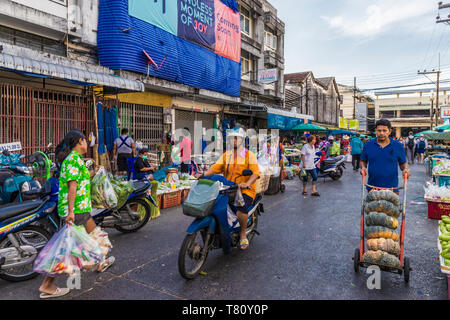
[431, 113]
[354, 98]
[438, 74]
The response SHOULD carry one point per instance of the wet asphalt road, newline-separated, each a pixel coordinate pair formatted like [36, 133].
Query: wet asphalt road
[304, 252]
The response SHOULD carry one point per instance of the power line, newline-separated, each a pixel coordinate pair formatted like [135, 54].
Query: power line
[406, 86]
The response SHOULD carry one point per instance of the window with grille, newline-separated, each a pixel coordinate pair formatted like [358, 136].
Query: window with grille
[246, 21]
[270, 39]
[246, 66]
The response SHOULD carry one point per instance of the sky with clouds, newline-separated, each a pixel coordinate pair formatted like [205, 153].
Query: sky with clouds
[382, 42]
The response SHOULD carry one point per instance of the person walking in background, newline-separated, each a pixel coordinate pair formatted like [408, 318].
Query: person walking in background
[410, 148]
[124, 147]
[186, 147]
[357, 146]
[344, 144]
[308, 154]
[421, 146]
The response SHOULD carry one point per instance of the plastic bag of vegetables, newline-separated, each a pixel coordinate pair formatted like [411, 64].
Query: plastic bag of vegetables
[103, 195]
[123, 190]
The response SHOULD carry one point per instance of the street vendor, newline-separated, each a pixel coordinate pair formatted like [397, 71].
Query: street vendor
[382, 156]
[142, 167]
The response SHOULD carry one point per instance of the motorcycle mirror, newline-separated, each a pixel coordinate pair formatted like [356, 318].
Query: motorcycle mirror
[49, 145]
[247, 173]
[6, 153]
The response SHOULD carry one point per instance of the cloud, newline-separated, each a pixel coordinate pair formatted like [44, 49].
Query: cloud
[377, 17]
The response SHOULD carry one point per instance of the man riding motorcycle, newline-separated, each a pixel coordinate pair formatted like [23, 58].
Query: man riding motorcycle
[232, 164]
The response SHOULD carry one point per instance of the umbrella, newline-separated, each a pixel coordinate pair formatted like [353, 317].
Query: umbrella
[424, 132]
[309, 127]
[443, 127]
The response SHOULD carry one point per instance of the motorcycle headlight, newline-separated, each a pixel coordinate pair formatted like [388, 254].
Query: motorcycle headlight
[31, 186]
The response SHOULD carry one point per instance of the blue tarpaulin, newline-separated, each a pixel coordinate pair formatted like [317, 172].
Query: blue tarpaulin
[122, 39]
[110, 128]
[101, 133]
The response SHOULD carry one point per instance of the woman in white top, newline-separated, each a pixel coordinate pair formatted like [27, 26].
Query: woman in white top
[308, 155]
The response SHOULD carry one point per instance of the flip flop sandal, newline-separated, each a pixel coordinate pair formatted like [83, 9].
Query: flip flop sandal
[315, 194]
[304, 193]
[106, 264]
[58, 293]
[244, 242]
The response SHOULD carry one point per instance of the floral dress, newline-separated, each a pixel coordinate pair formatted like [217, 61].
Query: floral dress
[73, 168]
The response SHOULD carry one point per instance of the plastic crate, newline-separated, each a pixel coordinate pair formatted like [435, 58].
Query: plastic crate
[438, 209]
[444, 181]
[170, 200]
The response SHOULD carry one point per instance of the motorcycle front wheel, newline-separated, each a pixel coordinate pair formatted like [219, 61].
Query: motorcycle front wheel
[28, 236]
[191, 257]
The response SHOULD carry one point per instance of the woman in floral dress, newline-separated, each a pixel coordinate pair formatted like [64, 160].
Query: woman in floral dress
[74, 202]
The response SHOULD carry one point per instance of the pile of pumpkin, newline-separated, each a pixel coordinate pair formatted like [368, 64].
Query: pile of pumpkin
[382, 212]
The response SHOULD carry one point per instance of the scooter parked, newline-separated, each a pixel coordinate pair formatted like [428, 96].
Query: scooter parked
[216, 226]
[13, 174]
[329, 167]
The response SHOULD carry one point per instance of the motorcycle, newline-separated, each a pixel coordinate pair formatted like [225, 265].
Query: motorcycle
[133, 215]
[216, 227]
[329, 167]
[13, 174]
[24, 231]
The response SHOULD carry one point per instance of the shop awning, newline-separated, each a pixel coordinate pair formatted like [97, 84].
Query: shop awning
[309, 127]
[77, 76]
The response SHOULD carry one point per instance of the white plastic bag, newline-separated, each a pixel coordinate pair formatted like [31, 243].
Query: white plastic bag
[239, 199]
[102, 191]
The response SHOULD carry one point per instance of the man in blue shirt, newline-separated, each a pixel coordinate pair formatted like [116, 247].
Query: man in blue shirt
[383, 156]
[357, 146]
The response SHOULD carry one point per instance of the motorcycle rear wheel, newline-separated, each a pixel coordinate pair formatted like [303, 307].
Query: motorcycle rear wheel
[27, 234]
[338, 174]
[139, 205]
[192, 251]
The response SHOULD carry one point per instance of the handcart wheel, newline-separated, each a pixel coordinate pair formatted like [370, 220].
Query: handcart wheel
[356, 260]
[282, 188]
[406, 269]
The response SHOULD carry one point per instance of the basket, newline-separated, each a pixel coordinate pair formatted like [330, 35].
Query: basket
[262, 184]
[170, 200]
[438, 209]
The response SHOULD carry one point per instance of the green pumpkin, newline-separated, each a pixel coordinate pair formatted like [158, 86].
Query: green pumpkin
[381, 258]
[381, 219]
[383, 206]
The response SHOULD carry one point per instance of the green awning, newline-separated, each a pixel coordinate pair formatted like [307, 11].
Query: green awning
[438, 136]
[309, 127]
[443, 127]
[424, 132]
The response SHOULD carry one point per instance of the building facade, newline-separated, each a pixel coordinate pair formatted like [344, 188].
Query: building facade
[409, 110]
[50, 47]
[317, 97]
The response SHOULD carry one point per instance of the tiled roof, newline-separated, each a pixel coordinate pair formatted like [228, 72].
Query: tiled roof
[299, 77]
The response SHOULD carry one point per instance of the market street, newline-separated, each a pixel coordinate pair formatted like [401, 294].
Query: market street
[304, 252]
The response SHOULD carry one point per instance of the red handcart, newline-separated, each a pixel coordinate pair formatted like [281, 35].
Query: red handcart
[405, 267]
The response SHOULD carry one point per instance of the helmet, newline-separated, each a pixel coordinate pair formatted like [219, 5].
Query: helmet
[237, 132]
[330, 138]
